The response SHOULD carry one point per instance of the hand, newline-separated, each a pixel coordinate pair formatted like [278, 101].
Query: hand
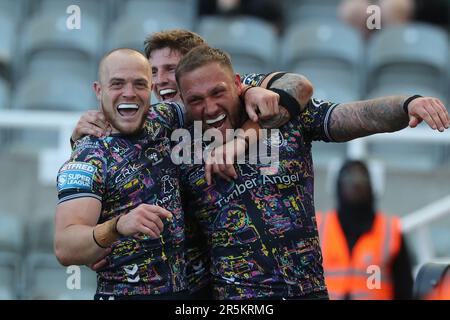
[431, 110]
[93, 123]
[221, 159]
[262, 100]
[146, 219]
[101, 262]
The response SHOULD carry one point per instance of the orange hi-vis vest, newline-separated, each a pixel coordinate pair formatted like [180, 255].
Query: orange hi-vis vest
[366, 272]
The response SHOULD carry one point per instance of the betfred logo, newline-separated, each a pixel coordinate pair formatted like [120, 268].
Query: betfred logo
[83, 166]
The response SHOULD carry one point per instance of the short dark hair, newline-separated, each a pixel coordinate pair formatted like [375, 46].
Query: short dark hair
[200, 56]
[175, 39]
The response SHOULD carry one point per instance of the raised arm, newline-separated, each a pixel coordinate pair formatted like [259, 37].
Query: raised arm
[362, 118]
[296, 85]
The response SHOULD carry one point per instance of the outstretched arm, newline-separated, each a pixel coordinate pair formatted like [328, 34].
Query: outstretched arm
[362, 118]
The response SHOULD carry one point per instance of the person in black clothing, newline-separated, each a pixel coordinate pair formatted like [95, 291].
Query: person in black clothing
[356, 212]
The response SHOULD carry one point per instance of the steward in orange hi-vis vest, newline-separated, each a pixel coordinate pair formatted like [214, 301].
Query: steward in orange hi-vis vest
[366, 271]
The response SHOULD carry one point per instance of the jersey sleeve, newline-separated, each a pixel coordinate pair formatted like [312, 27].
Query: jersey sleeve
[83, 175]
[172, 114]
[253, 79]
[315, 120]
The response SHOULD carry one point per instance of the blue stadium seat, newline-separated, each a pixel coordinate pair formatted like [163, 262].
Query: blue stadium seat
[93, 9]
[183, 11]
[295, 11]
[130, 32]
[414, 55]
[40, 232]
[7, 44]
[10, 276]
[56, 91]
[329, 54]
[11, 233]
[46, 38]
[4, 94]
[46, 279]
[15, 10]
[251, 42]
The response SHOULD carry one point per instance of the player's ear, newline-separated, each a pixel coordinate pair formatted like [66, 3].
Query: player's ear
[237, 83]
[97, 90]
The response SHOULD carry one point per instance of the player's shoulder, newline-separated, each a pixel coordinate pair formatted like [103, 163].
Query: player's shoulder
[253, 79]
[89, 146]
[165, 107]
[168, 113]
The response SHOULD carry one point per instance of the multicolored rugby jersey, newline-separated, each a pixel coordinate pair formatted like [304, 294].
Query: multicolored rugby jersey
[123, 172]
[198, 255]
[262, 228]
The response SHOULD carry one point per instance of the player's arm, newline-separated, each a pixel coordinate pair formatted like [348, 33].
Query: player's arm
[74, 224]
[387, 114]
[272, 112]
[93, 123]
[221, 159]
[80, 240]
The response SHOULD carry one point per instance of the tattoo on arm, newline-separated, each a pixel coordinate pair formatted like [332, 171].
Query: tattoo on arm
[298, 87]
[362, 118]
[276, 121]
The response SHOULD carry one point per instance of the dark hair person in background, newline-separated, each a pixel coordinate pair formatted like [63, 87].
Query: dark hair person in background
[356, 237]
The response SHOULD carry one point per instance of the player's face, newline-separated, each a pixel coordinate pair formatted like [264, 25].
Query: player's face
[124, 92]
[211, 94]
[164, 62]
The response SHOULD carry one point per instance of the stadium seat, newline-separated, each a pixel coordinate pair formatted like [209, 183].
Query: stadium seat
[13, 9]
[11, 248]
[7, 43]
[56, 91]
[433, 281]
[10, 276]
[94, 9]
[130, 32]
[414, 55]
[4, 94]
[182, 11]
[329, 54]
[11, 233]
[47, 38]
[46, 279]
[251, 42]
[295, 11]
[40, 232]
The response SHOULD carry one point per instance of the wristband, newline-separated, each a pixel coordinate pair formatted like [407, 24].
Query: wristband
[244, 92]
[289, 102]
[407, 102]
[106, 234]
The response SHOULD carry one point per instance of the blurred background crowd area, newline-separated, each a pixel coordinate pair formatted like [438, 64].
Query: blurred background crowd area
[46, 66]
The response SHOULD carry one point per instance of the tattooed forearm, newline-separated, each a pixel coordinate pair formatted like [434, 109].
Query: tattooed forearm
[296, 85]
[362, 118]
[276, 121]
